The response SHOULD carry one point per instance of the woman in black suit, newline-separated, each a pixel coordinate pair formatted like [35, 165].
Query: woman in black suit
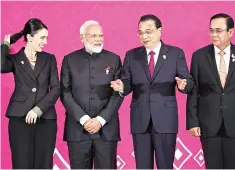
[31, 110]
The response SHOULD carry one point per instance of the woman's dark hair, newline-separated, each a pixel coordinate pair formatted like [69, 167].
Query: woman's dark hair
[31, 27]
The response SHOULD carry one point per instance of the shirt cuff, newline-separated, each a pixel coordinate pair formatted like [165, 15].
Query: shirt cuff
[101, 120]
[6, 43]
[83, 119]
[37, 110]
[121, 92]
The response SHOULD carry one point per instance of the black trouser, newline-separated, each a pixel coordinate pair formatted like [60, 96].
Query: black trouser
[162, 143]
[219, 150]
[32, 145]
[83, 153]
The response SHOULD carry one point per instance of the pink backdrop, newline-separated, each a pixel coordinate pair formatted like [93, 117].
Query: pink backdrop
[185, 24]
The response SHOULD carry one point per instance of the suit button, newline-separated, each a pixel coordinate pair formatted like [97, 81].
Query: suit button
[92, 77]
[221, 107]
[34, 89]
[91, 98]
[92, 68]
[223, 94]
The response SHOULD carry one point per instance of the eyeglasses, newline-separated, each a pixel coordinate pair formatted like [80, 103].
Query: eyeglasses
[217, 31]
[147, 32]
[95, 35]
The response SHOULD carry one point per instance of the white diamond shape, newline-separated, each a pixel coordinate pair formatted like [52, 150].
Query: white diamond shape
[187, 158]
[201, 161]
[55, 167]
[61, 158]
[178, 154]
[133, 154]
[120, 162]
[201, 158]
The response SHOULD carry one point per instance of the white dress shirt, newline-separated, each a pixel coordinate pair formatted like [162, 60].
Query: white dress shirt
[84, 118]
[156, 50]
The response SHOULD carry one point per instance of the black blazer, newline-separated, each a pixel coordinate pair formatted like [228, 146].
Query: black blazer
[39, 87]
[209, 104]
[86, 91]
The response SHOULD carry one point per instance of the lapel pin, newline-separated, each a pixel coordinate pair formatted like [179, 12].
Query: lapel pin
[164, 57]
[22, 62]
[233, 58]
[107, 69]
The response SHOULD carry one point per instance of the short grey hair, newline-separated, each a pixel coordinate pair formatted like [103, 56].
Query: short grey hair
[86, 24]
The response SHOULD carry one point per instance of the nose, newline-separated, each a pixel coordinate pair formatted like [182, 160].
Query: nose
[98, 39]
[45, 41]
[144, 36]
[214, 34]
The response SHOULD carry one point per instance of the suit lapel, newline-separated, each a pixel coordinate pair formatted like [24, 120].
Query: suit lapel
[211, 58]
[231, 65]
[40, 63]
[162, 57]
[24, 64]
[142, 58]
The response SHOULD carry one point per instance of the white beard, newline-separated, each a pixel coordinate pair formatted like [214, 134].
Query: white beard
[90, 48]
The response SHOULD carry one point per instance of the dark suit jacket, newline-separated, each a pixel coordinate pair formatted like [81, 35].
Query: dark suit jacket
[209, 103]
[39, 87]
[86, 91]
[154, 97]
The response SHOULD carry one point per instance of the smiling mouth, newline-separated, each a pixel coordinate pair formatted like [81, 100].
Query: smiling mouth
[146, 42]
[97, 45]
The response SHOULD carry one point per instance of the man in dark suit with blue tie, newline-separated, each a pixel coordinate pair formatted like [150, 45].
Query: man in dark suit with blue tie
[151, 72]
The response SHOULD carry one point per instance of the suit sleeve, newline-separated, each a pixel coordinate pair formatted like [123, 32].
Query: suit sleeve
[115, 100]
[52, 96]
[192, 99]
[6, 62]
[126, 75]
[183, 73]
[71, 106]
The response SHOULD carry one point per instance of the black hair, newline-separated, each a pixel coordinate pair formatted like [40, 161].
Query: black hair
[156, 20]
[31, 27]
[229, 20]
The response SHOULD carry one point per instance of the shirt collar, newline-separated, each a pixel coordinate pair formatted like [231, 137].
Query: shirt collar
[226, 50]
[156, 49]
